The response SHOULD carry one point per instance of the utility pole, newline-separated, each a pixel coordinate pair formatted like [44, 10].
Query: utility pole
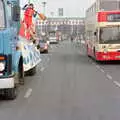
[44, 11]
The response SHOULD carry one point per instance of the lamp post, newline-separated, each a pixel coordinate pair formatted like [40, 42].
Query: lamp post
[52, 15]
[44, 11]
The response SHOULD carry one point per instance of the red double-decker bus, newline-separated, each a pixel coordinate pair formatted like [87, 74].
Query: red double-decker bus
[103, 35]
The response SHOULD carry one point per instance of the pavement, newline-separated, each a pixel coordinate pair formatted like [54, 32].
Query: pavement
[67, 86]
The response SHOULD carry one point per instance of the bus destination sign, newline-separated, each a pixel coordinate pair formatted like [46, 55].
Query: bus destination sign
[113, 18]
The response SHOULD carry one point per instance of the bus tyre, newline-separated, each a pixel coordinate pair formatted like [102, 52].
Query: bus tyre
[21, 74]
[11, 93]
[88, 52]
[32, 71]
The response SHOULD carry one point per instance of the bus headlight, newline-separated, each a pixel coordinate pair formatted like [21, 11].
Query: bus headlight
[2, 66]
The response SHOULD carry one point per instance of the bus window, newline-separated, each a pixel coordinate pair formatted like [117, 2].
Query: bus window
[110, 35]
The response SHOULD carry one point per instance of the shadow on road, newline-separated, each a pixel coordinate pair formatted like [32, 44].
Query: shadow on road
[110, 63]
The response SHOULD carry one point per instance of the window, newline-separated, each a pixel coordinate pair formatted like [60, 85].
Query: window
[2, 17]
[109, 5]
[110, 35]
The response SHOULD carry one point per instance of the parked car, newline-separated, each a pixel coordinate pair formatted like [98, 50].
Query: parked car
[43, 46]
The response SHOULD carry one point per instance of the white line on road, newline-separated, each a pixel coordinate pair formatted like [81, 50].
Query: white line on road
[97, 66]
[93, 63]
[117, 83]
[102, 70]
[28, 93]
[109, 77]
[42, 69]
[48, 59]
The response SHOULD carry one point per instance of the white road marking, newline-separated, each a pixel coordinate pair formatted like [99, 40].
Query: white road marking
[117, 83]
[42, 69]
[102, 70]
[97, 66]
[28, 93]
[109, 77]
[50, 54]
[48, 59]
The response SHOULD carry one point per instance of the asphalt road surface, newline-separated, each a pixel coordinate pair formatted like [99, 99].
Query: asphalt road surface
[68, 86]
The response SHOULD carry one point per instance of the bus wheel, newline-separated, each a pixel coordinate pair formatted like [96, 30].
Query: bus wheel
[21, 74]
[32, 71]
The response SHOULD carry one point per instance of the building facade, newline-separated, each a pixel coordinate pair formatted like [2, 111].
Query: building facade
[70, 26]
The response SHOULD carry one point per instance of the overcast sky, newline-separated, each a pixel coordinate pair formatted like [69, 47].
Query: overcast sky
[72, 8]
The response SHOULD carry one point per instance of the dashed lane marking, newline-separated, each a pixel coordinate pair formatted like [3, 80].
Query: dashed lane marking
[102, 70]
[117, 84]
[109, 77]
[28, 93]
[42, 69]
[97, 66]
[93, 63]
[48, 59]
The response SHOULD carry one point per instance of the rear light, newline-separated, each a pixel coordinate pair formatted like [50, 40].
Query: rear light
[2, 58]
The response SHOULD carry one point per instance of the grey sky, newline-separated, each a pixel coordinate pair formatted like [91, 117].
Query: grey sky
[74, 8]
[71, 7]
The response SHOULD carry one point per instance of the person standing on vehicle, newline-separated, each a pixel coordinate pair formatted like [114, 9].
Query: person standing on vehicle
[27, 26]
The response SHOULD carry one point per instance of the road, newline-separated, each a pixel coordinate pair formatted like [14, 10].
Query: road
[68, 86]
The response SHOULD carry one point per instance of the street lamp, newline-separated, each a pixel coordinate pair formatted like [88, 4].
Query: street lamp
[52, 15]
[44, 10]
